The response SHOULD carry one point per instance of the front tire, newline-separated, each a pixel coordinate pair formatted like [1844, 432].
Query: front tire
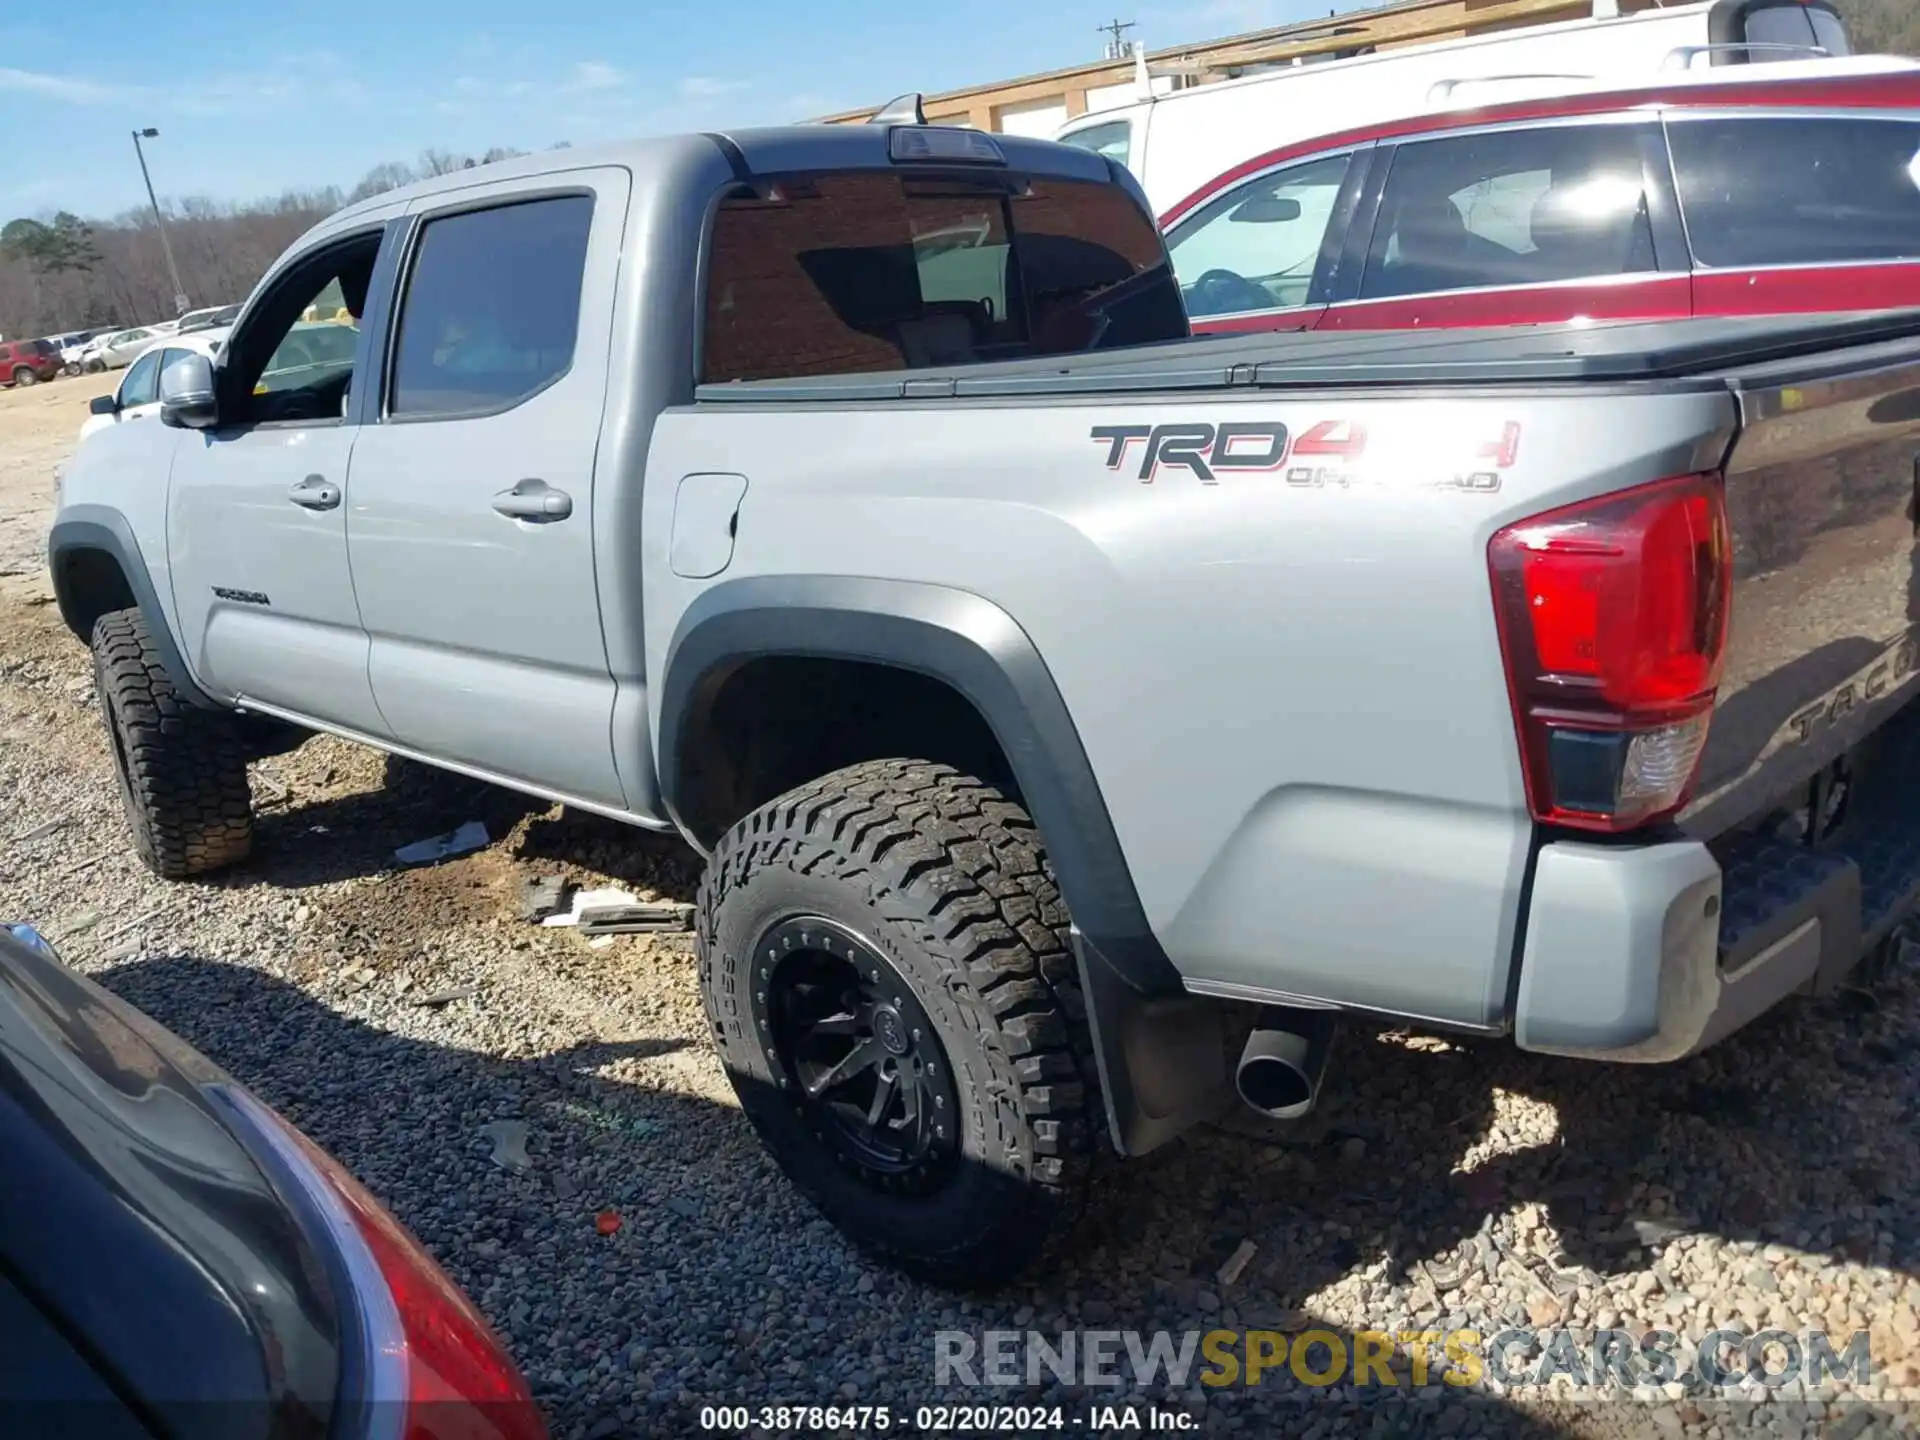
[24, 377]
[182, 770]
[884, 963]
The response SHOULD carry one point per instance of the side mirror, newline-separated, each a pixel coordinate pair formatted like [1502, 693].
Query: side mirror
[187, 393]
[104, 405]
[1265, 210]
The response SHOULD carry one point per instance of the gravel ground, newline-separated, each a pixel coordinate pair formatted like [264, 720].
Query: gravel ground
[1768, 1183]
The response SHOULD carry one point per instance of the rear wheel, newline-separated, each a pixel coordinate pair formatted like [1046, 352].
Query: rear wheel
[23, 376]
[182, 770]
[883, 960]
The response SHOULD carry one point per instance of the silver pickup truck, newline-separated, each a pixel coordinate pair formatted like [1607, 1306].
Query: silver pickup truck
[1078, 718]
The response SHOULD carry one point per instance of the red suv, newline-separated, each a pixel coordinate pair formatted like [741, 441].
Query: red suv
[27, 362]
[1670, 199]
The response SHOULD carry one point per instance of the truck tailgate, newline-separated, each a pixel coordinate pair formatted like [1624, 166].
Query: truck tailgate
[1821, 493]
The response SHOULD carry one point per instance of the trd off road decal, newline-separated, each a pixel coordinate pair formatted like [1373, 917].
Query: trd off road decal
[1324, 455]
[1198, 448]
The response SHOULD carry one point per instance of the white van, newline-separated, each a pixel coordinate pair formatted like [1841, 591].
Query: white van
[1177, 142]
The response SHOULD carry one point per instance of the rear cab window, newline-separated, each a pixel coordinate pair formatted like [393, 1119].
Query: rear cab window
[1797, 190]
[846, 272]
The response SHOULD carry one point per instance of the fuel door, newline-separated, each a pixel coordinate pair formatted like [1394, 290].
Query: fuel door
[706, 513]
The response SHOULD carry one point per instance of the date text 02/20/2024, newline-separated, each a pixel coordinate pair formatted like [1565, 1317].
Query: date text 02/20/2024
[947, 1419]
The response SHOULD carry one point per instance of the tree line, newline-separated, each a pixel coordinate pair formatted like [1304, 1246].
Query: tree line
[62, 272]
[1882, 27]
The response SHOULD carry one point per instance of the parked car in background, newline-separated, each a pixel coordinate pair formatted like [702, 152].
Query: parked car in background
[311, 353]
[117, 348]
[74, 347]
[138, 395]
[177, 1259]
[27, 362]
[207, 319]
[1178, 140]
[1719, 194]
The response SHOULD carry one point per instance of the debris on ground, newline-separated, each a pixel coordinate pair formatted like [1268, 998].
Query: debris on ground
[1237, 1262]
[589, 900]
[607, 1221]
[40, 832]
[77, 924]
[470, 836]
[634, 919]
[434, 999]
[541, 896]
[509, 1144]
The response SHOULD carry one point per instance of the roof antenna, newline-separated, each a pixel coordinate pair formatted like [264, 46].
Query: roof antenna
[902, 110]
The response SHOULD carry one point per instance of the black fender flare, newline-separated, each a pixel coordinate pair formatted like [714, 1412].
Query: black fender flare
[104, 529]
[1160, 1061]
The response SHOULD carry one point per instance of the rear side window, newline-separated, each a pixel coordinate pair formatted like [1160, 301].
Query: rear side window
[491, 307]
[866, 271]
[1114, 140]
[1519, 207]
[1799, 190]
[1799, 26]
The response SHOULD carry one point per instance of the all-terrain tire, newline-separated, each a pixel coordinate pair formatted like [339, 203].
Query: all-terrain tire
[182, 770]
[946, 879]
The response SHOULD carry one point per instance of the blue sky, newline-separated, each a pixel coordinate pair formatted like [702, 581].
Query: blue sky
[254, 98]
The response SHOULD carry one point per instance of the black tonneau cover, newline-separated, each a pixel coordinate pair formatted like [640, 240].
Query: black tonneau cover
[1590, 352]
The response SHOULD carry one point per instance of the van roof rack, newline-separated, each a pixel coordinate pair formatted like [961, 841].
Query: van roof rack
[1442, 90]
[1681, 57]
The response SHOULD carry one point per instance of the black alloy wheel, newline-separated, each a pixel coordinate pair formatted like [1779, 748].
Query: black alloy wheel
[855, 1055]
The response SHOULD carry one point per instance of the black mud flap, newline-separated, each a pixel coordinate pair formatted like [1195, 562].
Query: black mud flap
[1164, 1059]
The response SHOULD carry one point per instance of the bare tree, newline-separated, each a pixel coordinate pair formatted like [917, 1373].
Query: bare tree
[59, 272]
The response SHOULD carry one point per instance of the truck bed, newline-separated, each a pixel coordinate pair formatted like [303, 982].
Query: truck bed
[1710, 352]
[1803, 788]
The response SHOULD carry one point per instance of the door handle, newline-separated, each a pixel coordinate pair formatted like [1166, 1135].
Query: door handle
[315, 493]
[534, 500]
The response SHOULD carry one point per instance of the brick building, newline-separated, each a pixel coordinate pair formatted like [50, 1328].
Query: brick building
[1038, 104]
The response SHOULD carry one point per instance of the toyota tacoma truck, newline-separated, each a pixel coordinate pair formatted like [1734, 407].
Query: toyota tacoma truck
[1077, 718]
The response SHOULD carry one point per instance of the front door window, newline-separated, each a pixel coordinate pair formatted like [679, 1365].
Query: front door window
[1257, 246]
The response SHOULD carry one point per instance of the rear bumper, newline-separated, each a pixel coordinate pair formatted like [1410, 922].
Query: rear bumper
[1653, 952]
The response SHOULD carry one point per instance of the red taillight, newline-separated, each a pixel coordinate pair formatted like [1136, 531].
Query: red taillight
[430, 1354]
[1613, 622]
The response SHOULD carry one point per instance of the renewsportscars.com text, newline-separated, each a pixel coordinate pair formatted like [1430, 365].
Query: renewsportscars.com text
[1610, 1360]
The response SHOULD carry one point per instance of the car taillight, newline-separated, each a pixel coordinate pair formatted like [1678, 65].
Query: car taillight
[430, 1366]
[1613, 623]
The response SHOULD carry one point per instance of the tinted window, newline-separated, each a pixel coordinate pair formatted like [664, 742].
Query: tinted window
[1796, 25]
[842, 273]
[1521, 207]
[142, 385]
[491, 307]
[1256, 247]
[1113, 140]
[1798, 191]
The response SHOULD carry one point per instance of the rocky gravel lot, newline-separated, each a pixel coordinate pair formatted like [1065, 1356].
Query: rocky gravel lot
[1771, 1183]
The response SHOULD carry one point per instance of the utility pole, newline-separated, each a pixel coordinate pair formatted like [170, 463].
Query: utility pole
[179, 291]
[1116, 49]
